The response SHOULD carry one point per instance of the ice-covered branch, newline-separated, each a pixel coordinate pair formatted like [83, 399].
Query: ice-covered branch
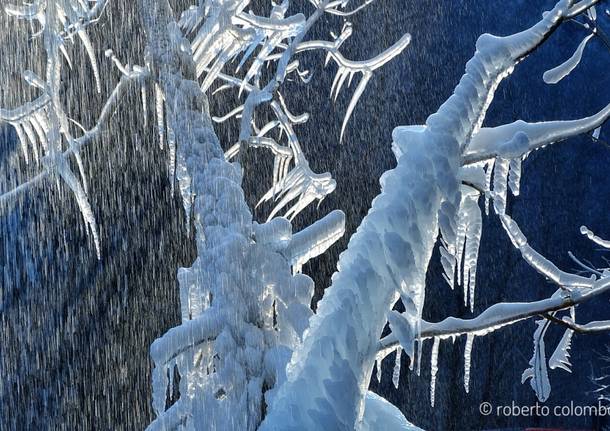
[541, 264]
[519, 138]
[597, 240]
[580, 7]
[581, 328]
[333, 8]
[348, 68]
[29, 108]
[315, 239]
[189, 335]
[388, 257]
[366, 67]
[500, 315]
[14, 117]
[263, 309]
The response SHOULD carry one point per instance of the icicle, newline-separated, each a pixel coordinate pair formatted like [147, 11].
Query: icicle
[22, 141]
[469, 237]
[471, 254]
[64, 171]
[144, 103]
[490, 168]
[396, 372]
[378, 361]
[556, 74]
[538, 372]
[467, 360]
[171, 163]
[433, 369]
[448, 262]
[465, 282]
[91, 54]
[514, 176]
[561, 356]
[160, 114]
[461, 240]
[500, 186]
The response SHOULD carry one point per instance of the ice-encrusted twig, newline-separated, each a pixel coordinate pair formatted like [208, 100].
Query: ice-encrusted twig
[597, 240]
[315, 239]
[333, 9]
[541, 264]
[348, 68]
[583, 266]
[110, 106]
[502, 314]
[593, 327]
[499, 141]
[301, 182]
[580, 7]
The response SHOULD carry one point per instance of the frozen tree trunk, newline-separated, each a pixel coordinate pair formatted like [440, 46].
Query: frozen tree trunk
[223, 227]
[243, 311]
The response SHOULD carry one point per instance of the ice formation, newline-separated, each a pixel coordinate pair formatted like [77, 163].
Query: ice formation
[244, 305]
[42, 125]
[434, 369]
[468, 360]
[248, 338]
[537, 373]
[556, 74]
[561, 356]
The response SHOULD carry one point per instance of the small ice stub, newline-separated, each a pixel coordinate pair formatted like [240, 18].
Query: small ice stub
[556, 74]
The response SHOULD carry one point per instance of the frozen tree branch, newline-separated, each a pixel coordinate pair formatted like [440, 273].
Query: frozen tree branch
[385, 258]
[16, 115]
[541, 264]
[580, 7]
[315, 239]
[503, 314]
[519, 138]
[587, 328]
